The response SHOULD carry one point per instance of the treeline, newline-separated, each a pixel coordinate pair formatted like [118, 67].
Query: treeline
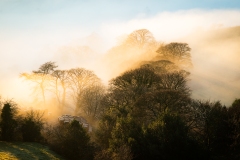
[198, 130]
[145, 113]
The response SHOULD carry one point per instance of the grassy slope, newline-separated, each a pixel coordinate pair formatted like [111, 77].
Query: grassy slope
[26, 151]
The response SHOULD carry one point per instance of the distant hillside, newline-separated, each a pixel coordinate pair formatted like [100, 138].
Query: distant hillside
[21, 150]
[215, 56]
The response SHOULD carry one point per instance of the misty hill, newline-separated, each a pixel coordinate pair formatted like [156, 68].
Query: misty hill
[215, 56]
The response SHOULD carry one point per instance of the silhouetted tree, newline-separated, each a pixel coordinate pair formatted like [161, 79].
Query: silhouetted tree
[90, 102]
[209, 124]
[217, 131]
[41, 77]
[153, 104]
[234, 122]
[134, 100]
[8, 123]
[168, 138]
[59, 83]
[126, 89]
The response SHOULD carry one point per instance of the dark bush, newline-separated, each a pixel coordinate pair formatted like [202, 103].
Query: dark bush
[71, 140]
[8, 124]
[31, 126]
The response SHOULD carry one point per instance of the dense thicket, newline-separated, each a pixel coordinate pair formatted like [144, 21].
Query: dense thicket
[71, 140]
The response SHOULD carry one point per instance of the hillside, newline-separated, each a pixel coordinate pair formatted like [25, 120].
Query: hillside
[215, 58]
[21, 150]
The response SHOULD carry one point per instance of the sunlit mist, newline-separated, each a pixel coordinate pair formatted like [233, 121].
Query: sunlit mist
[210, 34]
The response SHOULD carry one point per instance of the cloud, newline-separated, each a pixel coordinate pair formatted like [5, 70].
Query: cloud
[169, 26]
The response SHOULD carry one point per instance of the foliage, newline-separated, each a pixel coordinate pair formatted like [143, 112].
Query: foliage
[178, 53]
[128, 133]
[165, 138]
[168, 138]
[234, 123]
[8, 123]
[209, 124]
[31, 126]
[71, 141]
[126, 89]
[135, 100]
[105, 128]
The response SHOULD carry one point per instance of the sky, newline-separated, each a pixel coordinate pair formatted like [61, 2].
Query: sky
[32, 31]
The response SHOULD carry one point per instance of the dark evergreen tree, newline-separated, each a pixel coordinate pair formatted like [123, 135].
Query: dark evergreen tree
[8, 123]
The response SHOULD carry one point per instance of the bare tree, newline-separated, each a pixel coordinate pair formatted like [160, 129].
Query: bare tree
[90, 101]
[141, 38]
[41, 77]
[59, 85]
[79, 80]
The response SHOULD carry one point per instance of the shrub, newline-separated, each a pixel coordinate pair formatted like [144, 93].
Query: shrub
[8, 123]
[71, 140]
[31, 126]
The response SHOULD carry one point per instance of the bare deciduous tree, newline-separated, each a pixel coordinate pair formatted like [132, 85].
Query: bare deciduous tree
[141, 38]
[60, 85]
[41, 77]
[178, 53]
[90, 101]
[79, 80]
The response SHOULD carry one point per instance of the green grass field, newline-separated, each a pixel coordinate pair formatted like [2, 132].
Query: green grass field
[26, 151]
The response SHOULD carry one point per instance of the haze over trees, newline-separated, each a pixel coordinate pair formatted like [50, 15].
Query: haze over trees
[63, 84]
[145, 112]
